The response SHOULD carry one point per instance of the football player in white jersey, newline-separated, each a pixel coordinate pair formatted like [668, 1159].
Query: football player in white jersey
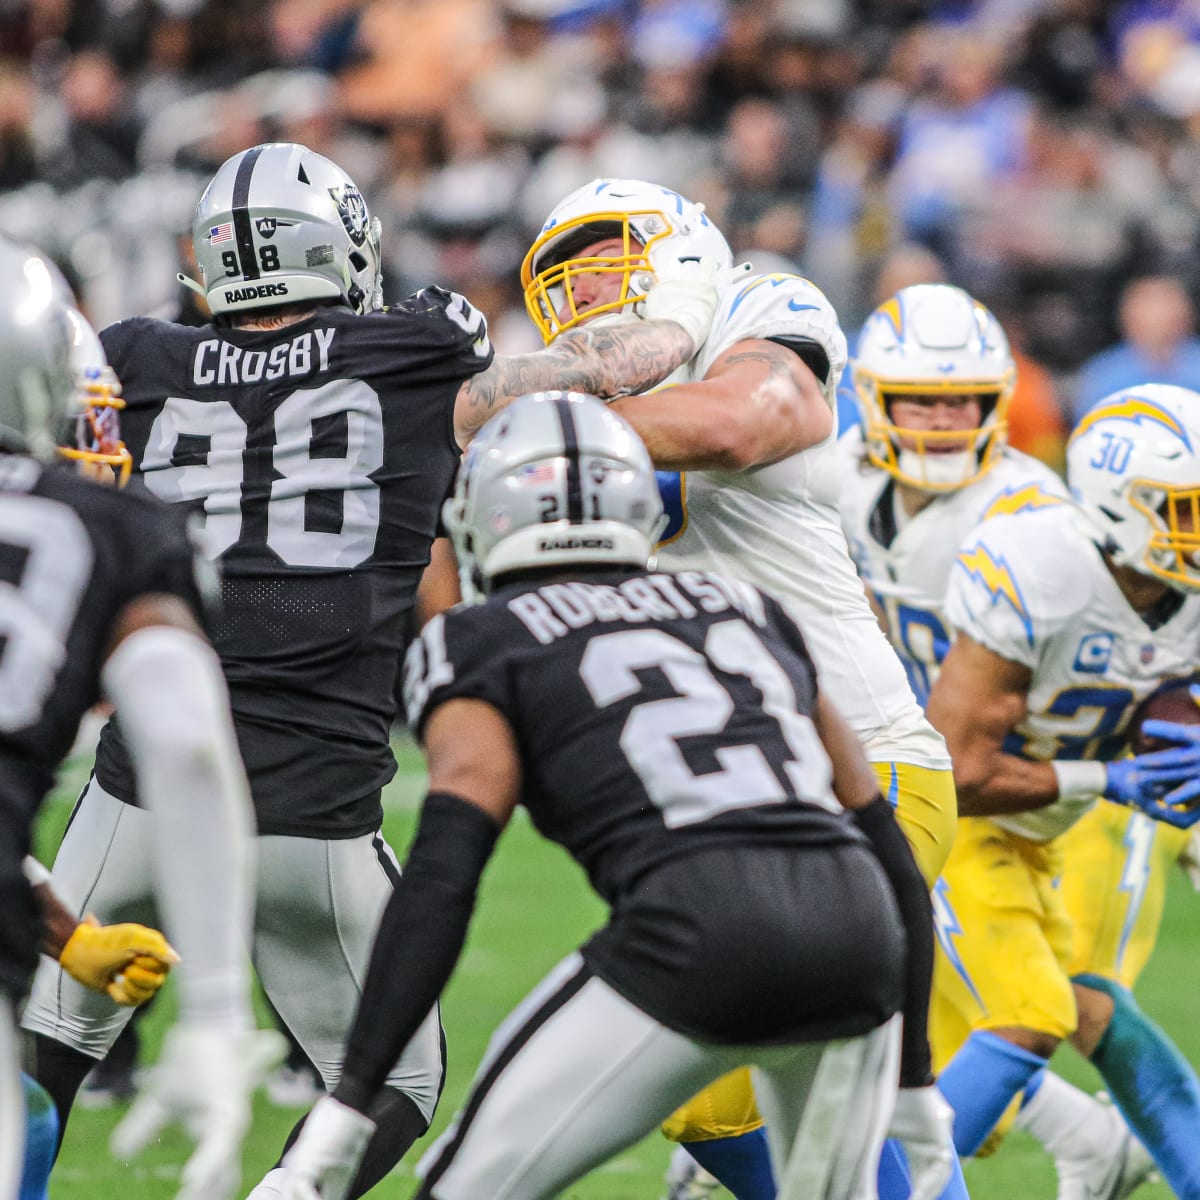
[933, 376]
[1067, 616]
[744, 437]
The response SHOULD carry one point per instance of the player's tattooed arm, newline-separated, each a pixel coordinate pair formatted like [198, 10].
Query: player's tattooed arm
[607, 360]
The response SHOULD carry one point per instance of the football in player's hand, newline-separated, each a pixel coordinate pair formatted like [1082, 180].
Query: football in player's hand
[1170, 702]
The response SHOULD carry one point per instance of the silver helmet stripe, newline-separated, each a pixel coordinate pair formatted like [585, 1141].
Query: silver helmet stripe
[242, 229]
[571, 449]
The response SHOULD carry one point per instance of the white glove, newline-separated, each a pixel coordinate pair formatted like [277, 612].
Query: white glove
[923, 1123]
[203, 1080]
[686, 293]
[322, 1163]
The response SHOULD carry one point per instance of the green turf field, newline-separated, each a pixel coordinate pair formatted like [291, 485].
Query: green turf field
[535, 907]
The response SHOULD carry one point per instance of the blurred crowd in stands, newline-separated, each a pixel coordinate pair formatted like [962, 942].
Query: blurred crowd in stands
[1044, 154]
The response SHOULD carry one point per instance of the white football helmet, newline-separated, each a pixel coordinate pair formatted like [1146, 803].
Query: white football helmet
[933, 339]
[37, 393]
[280, 223]
[97, 403]
[557, 477]
[656, 225]
[1133, 465]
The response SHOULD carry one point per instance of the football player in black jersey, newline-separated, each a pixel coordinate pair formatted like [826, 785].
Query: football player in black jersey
[314, 434]
[99, 597]
[753, 918]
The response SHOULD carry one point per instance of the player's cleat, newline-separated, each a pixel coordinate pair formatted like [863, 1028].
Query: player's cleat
[1113, 1174]
[686, 1179]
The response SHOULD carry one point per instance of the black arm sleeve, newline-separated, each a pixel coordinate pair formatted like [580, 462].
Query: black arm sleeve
[420, 938]
[912, 897]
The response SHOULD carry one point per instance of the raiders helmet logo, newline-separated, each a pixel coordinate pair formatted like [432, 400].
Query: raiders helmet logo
[352, 208]
[266, 227]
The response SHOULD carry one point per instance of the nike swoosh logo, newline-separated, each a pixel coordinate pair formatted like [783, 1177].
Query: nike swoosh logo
[802, 307]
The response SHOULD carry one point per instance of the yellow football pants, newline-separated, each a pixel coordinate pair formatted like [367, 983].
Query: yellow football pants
[926, 808]
[1116, 862]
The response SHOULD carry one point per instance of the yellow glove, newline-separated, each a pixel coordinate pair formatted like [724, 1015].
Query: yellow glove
[128, 962]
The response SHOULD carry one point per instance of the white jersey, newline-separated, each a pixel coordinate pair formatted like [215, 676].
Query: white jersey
[906, 561]
[1033, 588]
[778, 527]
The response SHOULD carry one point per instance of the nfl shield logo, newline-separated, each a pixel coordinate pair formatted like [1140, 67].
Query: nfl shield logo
[1147, 652]
[266, 227]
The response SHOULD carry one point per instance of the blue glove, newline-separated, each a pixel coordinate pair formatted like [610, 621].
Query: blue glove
[1164, 783]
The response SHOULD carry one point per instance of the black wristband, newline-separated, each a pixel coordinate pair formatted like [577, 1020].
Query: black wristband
[420, 938]
[877, 821]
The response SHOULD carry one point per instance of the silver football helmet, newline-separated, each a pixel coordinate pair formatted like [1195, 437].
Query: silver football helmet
[557, 477]
[280, 223]
[1133, 465]
[656, 226]
[37, 391]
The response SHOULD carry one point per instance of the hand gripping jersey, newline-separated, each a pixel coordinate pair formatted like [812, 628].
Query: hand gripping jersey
[906, 561]
[778, 527]
[316, 457]
[1032, 587]
[657, 716]
[73, 554]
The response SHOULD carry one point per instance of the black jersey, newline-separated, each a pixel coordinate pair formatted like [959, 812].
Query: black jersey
[73, 554]
[664, 727]
[317, 457]
[656, 714]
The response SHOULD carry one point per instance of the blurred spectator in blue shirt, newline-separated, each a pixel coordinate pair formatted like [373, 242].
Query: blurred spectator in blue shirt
[1157, 319]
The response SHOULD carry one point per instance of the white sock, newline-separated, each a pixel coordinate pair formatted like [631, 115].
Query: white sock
[1068, 1122]
[271, 1187]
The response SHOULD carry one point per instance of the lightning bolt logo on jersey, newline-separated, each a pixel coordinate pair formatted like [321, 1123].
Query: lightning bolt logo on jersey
[1049, 602]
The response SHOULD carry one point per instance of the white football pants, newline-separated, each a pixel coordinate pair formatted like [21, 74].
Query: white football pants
[317, 909]
[577, 1073]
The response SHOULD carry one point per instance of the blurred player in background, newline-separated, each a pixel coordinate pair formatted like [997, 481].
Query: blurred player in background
[750, 920]
[1067, 615]
[933, 375]
[99, 596]
[315, 435]
[744, 440]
